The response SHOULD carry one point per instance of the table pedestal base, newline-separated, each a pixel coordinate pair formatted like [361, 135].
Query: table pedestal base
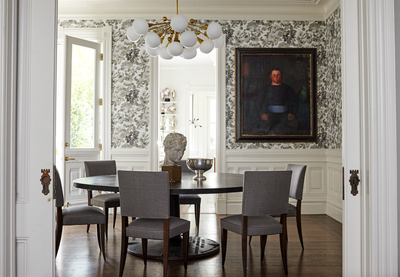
[199, 248]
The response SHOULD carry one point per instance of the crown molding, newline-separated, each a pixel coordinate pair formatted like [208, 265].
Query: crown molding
[208, 10]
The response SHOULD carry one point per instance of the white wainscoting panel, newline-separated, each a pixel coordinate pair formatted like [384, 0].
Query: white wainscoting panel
[22, 245]
[132, 159]
[322, 188]
[334, 185]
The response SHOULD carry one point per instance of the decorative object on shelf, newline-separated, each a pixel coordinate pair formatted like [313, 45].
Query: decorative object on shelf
[199, 166]
[176, 36]
[172, 123]
[162, 109]
[162, 125]
[194, 122]
[166, 94]
[171, 109]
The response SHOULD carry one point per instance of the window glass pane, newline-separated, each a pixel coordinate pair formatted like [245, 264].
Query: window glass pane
[82, 97]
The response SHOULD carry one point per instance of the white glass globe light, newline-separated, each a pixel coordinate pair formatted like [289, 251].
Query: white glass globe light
[218, 42]
[188, 39]
[140, 26]
[152, 52]
[152, 40]
[175, 49]
[162, 51]
[132, 36]
[214, 30]
[206, 46]
[179, 23]
[189, 53]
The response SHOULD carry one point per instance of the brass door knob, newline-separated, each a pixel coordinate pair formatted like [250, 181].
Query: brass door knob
[69, 159]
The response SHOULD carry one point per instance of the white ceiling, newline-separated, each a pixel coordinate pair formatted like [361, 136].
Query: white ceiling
[198, 9]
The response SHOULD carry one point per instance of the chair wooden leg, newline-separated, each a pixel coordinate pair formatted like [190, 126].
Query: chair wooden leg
[185, 248]
[144, 251]
[124, 245]
[244, 245]
[106, 212]
[298, 221]
[98, 235]
[197, 217]
[103, 245]
[224, 239]
[283, 242]
[250, 239]
[166, 247]
[89, 195]
[263, 242]
[115, 216]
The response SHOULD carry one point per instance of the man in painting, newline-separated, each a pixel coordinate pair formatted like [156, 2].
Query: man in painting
[277, 106]
[174, 147]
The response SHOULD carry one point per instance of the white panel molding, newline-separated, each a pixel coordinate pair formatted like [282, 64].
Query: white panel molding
[8, 92]
[22, 246]
[132, 159]
[380, 177]
[315, 195]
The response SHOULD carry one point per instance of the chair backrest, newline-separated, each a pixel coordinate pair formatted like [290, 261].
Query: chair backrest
[182, 163]
[297, 183]
[265, 192]
[144, 193]
[58, 188]
[96, 168]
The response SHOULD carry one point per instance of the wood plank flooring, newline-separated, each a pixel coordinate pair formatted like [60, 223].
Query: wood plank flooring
[79, 254]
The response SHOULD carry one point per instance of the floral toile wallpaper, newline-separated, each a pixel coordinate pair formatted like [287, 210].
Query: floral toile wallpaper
[130, 76]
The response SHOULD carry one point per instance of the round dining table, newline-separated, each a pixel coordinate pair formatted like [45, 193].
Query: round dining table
[199, 247]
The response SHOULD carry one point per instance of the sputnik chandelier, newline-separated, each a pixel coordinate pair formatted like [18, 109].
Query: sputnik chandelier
[176, 36]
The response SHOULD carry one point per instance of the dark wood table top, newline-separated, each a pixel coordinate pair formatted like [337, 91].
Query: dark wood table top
[215, 183]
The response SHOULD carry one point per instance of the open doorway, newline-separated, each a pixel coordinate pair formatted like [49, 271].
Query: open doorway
[190, 109]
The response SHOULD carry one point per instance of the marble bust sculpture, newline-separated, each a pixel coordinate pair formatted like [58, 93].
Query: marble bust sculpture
[174, 148]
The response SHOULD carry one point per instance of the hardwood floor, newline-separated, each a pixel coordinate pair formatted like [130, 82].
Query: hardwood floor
[79, 254]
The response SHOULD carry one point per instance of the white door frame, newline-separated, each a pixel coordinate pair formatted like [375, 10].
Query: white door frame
[8, 93]
[370, 231]
[27, 85]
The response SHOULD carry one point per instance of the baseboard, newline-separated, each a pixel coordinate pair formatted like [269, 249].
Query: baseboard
[334, 211]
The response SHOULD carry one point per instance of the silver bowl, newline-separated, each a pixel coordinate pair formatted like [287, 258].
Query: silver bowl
[199, 166]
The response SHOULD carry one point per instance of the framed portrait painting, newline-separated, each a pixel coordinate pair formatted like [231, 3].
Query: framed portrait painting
[276, 94]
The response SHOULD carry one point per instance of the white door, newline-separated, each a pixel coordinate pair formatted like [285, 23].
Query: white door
[82, 106]
[370, 218]
[35, 213]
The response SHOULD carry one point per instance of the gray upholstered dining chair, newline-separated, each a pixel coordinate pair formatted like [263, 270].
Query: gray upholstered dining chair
[296, 192]
[105, 200]
[264, 193]
[145, 196]
[191, 199]
[77, 216]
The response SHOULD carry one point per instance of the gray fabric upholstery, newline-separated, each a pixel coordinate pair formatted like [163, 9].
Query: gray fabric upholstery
[291, 210]
[153, 228]
[297, 183]
[265, 192]
[144, 193]
[58, 188]
[257, 225]
[109, 199]
[97, 168]
[83, 215]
